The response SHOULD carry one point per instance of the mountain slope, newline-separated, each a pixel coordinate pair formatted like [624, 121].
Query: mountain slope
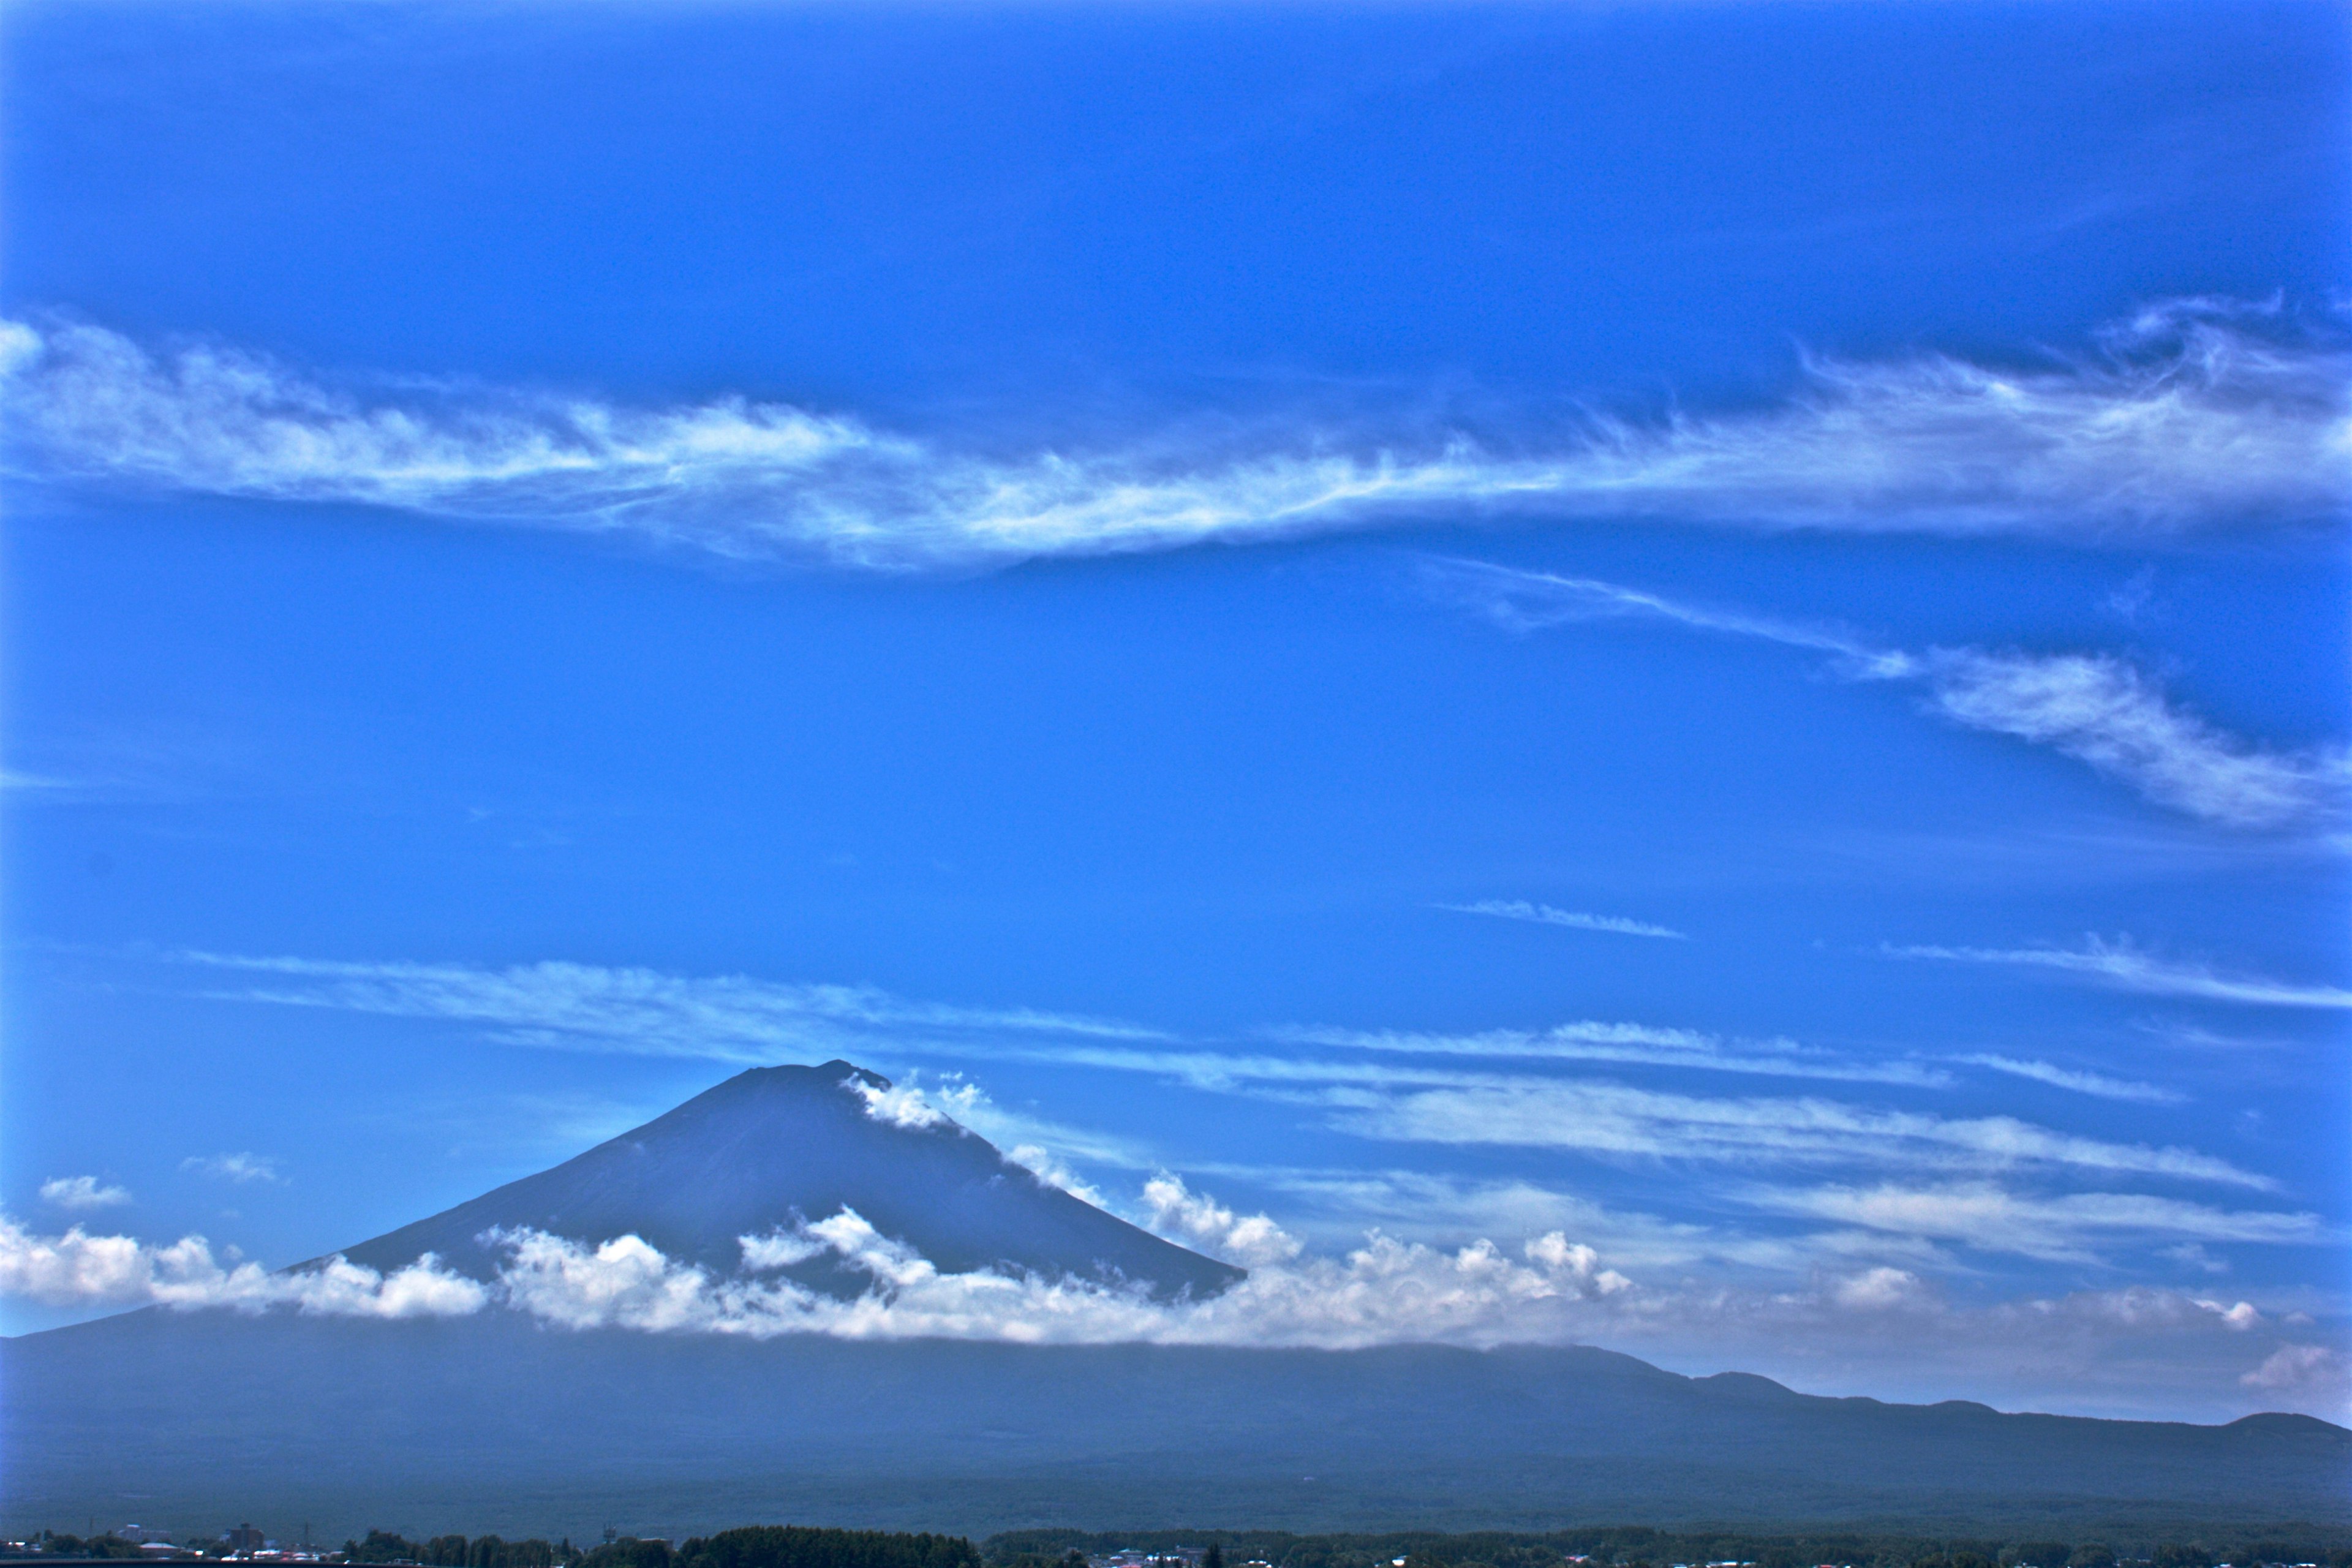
[773, 1145]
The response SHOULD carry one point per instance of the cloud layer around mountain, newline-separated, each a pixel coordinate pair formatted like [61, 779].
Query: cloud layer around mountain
[1550, 1290]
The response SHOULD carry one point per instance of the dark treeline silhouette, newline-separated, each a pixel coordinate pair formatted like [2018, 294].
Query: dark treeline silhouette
[107, 1545]
[789, 1546]
[753, 1546]
[456, 1551]
[1643, 1548]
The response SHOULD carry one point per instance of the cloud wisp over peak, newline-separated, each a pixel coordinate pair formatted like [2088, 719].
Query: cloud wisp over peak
[2191, 413]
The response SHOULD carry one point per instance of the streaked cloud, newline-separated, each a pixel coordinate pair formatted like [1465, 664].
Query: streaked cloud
[241, 1168]
[1615, 1119]
[83, 1193]
[2093, 706]
[729, 1018]
[736, 1018]
[1495, 1088]
[2098, 1085]
[2194, 412]
[1593, 1041]
[2128, 968]
[2100, 710]
[1527, 600]
[1446, 1105]
[2064, 1228]
[16, 780]
[1544, 914]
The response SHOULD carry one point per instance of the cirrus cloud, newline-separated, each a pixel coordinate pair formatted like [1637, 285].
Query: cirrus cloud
[2120, 965]
[2093, 706]
[2192, 411]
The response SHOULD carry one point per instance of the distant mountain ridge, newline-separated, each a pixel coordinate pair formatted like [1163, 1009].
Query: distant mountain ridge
[495, 1422]
[773, 1146]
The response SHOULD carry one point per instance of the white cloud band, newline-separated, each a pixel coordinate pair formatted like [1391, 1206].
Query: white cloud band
[81, 1269]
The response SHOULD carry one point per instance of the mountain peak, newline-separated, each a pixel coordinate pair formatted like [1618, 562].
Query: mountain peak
[774, 1147]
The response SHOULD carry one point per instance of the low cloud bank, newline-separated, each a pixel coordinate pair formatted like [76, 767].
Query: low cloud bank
[1384, 1291]
[1840, 1322]
[79, 1269]
[2193, 412]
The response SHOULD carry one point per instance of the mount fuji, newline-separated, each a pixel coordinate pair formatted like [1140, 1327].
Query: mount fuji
[774, 1147]
[499, 1420]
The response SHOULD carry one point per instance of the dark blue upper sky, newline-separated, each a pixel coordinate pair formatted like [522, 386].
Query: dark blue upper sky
[1292, 529]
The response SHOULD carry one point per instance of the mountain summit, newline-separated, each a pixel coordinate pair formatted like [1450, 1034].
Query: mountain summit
[774, 1146]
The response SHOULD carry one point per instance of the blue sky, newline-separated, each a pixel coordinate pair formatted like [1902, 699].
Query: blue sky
[1719, 629]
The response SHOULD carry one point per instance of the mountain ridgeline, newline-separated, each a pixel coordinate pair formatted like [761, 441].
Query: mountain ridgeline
[534, 1430]
[775, 1145]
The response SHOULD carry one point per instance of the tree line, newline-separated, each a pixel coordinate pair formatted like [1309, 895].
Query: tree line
[753, 1546]
[456, 1551]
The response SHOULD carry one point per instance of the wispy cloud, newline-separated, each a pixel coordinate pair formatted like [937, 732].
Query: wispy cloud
[2129, 968]
[17, 780]
[579, 1007]
[1428, 1088]
[2100, 710]
[2063, 1227]
[2098, 1085]
[241, 1168]
[2192, 411]
[1593, 1041]
[2092, 707]
[1398, 1102]
[1526, 600]
[83, 1193]
[736, 1018]
[1544, 914]
[1619, 1120]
